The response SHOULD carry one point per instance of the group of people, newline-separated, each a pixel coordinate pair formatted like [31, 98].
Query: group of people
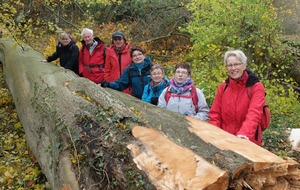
[126, 68]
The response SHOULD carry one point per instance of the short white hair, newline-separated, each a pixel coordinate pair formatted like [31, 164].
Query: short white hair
[87, 30]
[238, 54]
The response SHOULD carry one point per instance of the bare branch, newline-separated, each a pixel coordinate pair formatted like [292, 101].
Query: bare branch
[64, 20]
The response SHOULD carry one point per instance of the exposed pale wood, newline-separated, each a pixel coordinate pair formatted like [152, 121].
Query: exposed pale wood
[171, 166]
[264, 169]
[69, 118]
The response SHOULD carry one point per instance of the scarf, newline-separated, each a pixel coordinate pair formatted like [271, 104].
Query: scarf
[181, 88]
[92, 47]
[119, 50]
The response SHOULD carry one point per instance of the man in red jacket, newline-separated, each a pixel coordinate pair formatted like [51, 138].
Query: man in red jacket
[117, 58]
[91, 56]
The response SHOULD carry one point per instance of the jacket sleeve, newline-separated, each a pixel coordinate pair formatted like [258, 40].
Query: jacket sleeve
[203, 109]
[146, 96]
[73, 58]
[215, 117]
[161, 100]
[54, 56]
[80, 60]
[107, 67]
[122, 83]
[254, 112]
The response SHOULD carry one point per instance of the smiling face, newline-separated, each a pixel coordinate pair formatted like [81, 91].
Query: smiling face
[157, 76]
[137, 57]
[181, 75]
[118, 41]
[235, 67]
[65, 41]
[88, 38]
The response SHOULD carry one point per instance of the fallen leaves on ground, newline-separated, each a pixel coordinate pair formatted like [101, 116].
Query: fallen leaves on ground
[17, 171]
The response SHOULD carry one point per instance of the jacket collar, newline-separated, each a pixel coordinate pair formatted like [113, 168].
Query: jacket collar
[249, 78]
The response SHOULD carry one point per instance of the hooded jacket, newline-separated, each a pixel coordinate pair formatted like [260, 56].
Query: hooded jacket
[233, 110]
[133, 78]
[116, 63]
[91, 65]
[151, 91]
[68, 56]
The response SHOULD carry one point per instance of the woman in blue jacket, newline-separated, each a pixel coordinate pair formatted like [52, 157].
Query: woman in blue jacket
[157, 84]
[136, 76]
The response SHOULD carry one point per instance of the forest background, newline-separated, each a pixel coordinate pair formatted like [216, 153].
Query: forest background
[195, 31]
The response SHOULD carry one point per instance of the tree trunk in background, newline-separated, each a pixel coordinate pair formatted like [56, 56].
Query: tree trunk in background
[289, 14]
[87, 137]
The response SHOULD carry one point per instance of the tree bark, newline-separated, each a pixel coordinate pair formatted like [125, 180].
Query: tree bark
[87, 137]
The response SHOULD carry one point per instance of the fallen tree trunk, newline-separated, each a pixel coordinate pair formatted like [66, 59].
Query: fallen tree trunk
[87, 137]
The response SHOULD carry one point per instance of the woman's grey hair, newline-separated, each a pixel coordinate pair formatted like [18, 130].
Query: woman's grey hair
[157, 66]
[238, 54]
[63, 35]
[87, 30]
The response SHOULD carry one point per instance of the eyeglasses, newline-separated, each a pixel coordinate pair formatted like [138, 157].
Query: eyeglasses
[235, 65]
[181, 72]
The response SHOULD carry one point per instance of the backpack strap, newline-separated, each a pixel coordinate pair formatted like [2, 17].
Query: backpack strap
[226, 85]
[249, 91]
[194, 96]
[104, 55]
[167, 95]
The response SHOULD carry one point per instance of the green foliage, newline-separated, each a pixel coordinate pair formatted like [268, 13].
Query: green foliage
[215, 26]
[284, 105]
[220, 25]
[252, 26]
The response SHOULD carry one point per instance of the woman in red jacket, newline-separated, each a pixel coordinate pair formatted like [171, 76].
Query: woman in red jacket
[91, 56]
[117, 58]
[233, 109]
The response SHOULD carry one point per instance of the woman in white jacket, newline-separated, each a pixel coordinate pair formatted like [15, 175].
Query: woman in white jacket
[182, 96]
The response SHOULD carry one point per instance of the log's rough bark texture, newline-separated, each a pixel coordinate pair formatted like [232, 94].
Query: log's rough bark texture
[87, 137]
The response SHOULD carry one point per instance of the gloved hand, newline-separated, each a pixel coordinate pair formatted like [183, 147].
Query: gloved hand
[104, 84]
[187, 113]
[154, 100]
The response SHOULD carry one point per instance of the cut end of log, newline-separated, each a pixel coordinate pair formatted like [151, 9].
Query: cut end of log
[170, 166]
[264, 170]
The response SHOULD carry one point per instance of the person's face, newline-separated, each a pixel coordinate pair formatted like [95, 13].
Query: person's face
[180, 75]
[137, 57]
[88, 38]
[118, 41]
[157, 76]
[234, 67]
[65, 41]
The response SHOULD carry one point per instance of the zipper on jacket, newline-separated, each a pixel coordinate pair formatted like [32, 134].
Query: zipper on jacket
[120, 64]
